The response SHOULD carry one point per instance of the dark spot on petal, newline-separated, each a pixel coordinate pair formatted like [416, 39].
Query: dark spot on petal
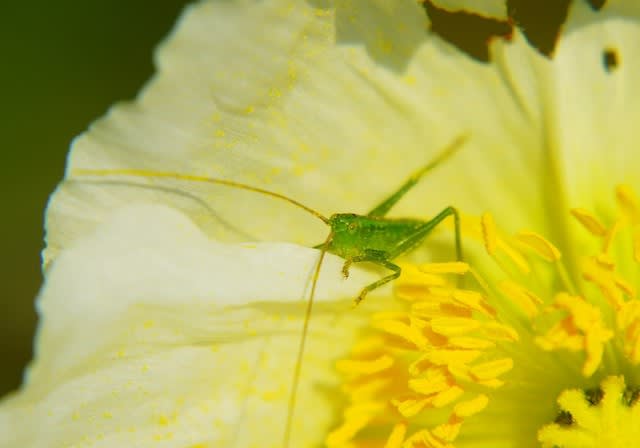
[471, 33]
[564, 418]
[610, 59]
[597, 4]
[594, 396]
[631, 396]
[540, 21]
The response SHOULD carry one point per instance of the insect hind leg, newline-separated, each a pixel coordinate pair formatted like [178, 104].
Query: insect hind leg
[423, 231]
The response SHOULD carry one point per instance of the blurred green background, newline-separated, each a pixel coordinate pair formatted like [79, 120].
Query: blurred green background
[62, 65]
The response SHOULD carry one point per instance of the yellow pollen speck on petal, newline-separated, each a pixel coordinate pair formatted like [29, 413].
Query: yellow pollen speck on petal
[471, 407]
[539, 245]
[454, 267]
[397, 436]
[489, 233]
[589, 221]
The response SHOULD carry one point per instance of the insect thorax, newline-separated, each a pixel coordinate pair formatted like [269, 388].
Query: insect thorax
[354, 235]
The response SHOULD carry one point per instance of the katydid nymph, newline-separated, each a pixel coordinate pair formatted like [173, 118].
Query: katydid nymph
[371, 238]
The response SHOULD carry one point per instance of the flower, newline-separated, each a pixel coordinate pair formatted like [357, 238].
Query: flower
[160, 328]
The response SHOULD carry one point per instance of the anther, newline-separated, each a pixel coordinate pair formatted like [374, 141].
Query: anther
[539, 245]
[489, 233]
[628, 202]
[589, 221]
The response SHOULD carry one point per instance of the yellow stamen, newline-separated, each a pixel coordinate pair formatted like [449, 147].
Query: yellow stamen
[454, 326]
[447, 396]
[489, 233]
[541, 246]
[525, 300]
[397, 436]
[364, 367]
[444, 357]
[410, 407]
[589, 221]
[610, 236]
[628, 321]
[448, 432]
[636, 245]
[448, 345]
[604, 278]
[628, 202]
[471, 407]
[516, 257]
[583, 329]
[347, 430]
[492, 369]
[454, 267]
[407, 332]
[433, 381]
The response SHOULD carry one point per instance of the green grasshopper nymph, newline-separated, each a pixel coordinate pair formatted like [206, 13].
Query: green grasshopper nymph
[371, 238]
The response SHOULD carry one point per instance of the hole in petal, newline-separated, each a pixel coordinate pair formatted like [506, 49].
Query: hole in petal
[476, 33]
[610, 59]
[539, 21]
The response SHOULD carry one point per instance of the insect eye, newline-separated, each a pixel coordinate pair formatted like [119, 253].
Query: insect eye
[352, 226]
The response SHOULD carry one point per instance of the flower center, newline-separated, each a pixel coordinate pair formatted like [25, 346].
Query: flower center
[607, 416]
[495, 356]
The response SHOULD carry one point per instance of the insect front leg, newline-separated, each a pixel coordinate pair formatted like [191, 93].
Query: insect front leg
[380, 258]
[345, 268]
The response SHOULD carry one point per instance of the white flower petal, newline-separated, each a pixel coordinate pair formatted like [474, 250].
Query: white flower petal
[154, 335]
[334, 107]
[594, 105]
[496, 9]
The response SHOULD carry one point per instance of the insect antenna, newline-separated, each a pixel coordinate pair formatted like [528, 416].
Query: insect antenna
[193, 178]
[301, 346]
